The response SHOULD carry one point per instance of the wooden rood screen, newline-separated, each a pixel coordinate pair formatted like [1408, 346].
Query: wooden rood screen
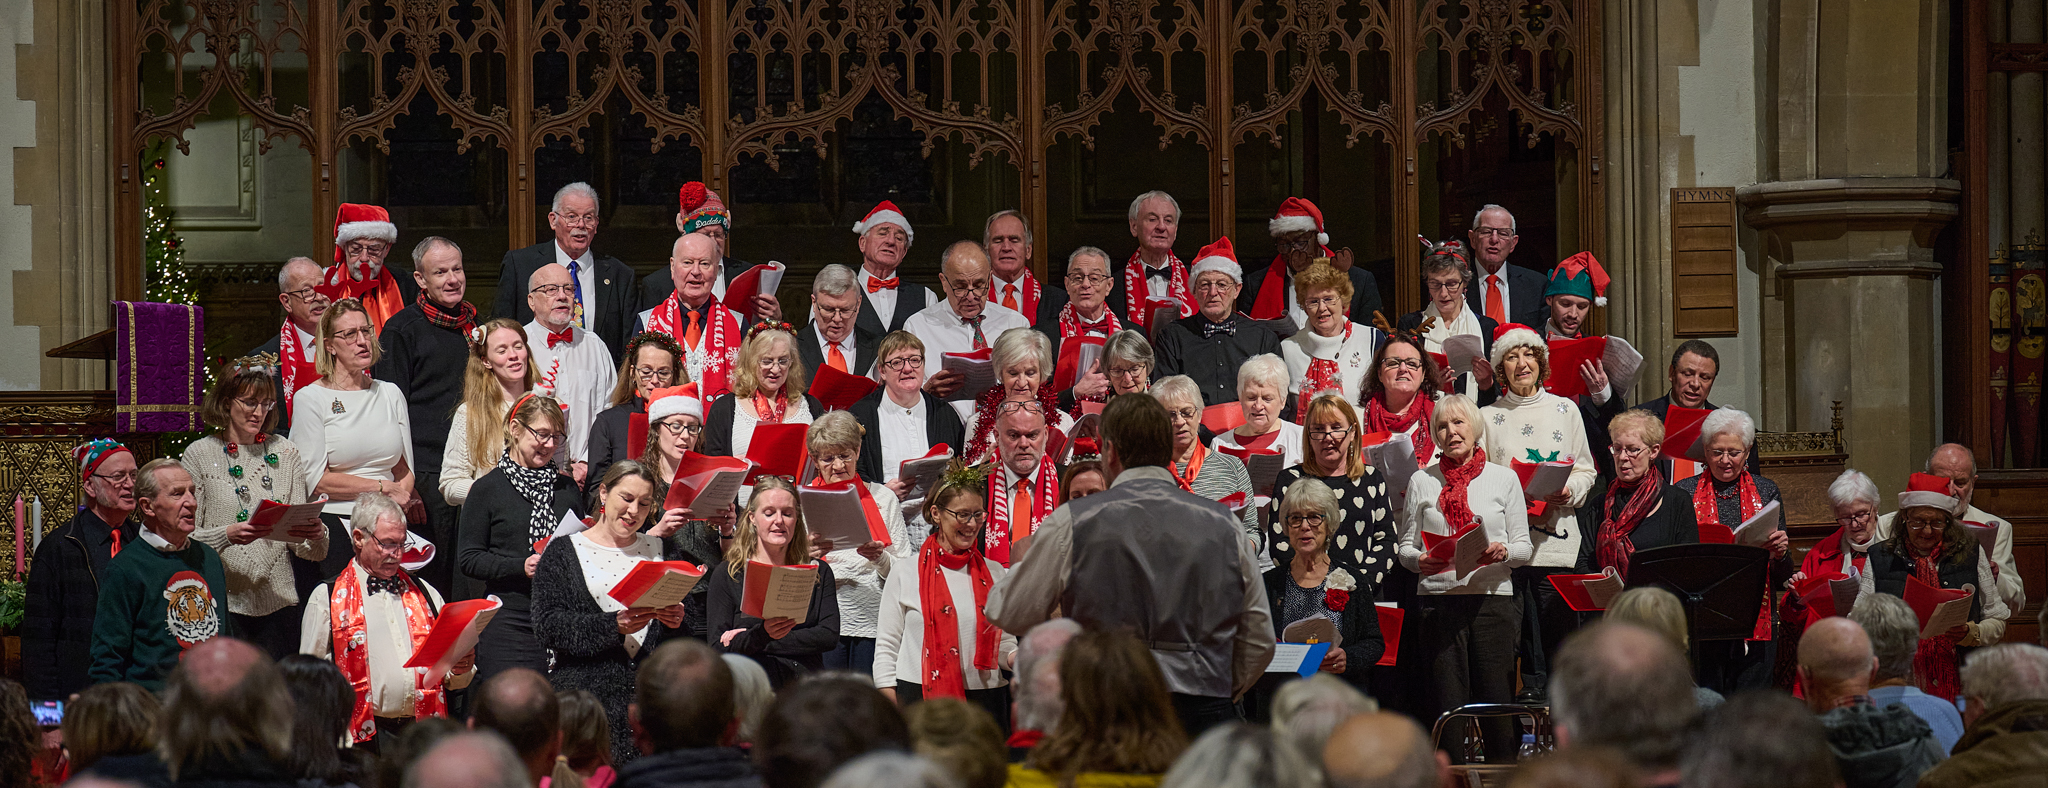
[746, 80]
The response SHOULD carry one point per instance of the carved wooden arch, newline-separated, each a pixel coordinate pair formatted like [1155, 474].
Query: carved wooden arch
[230, 33]
[414, 48]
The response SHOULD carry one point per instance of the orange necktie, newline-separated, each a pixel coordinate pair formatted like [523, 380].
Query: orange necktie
[1494, 309]
[692, 332]
[1020, 511]
[1010, 297]
[834, 358]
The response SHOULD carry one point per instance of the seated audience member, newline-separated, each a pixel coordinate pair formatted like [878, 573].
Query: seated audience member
[520, 705]
[2005, 689]
[1035, 695]
[1383, 750]
[1584, 767]
[227, 717]
[767, 388]
[1724, 497]
[1311, 585]
[653, 361]
[1211, 344]
[1622, 686]
[394, 761]
[821, 723]
[1022, 361]
[1446, 273]
[1331, 351]
[752, 695]
[1931, 546]
[21, 740]
[1894, 637]
[1237, 755]
[64, 577]
[518, 503]
[910, 420]
[962, 323]
[1332, 454]
[586, 758]
[159, 598]
[685, 722]
[376, 611]
[834, 442]
[832, 339]
[961, 738]
[1640, 510]
[1116, 720]
[923, 649]
[468, 760]
[1261, 397]
[1210, 474]
[887, 769]
[1128, 361]
[772, 532]
[111, 731]
[1758, 739]
[1659, 611]
[1874, 746]
[1306, 712]
[321, 703]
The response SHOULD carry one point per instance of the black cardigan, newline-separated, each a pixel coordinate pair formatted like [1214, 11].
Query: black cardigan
[1671, 523]
[1358, 622]
[590, 654]
[494, 542]
[608, 439]
[800, 651]
[718, 423]
[941, 425]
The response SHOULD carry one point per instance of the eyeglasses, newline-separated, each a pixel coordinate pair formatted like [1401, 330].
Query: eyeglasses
[1183, 414]
[545, 438]
[1329, 432]
[827, 461]
[1323, 302]
[389, 547]
[309, 295]
[259, 406]
[902, 363]
[577, 219]
[1087, 279]
[1619, 450]
[780, 362]
[835, 312]
[1315, 520]
[1926, 525]
[117, 479]
[1214, 285]
[1859, 517]
[1014, 406]
[971, 516]
[1400, 363]
[1496, 232]
[554, 290]
[1728, 454]
[1445, 287]
[354, 334]
[677, 427]
[1133, 371]
[967, 288]
[655, 373]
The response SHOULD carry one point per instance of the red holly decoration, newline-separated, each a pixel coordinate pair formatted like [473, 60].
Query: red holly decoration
[1336, 600]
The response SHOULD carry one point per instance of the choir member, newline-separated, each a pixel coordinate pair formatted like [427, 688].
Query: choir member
[1022, 359]
[293, 344]
[363, 235]
[934, 639]
[64, 579]
[1728, 494]
[1006, 237]
[834, 441]
[1400, 393]
[699, 211]
[832, 339]
[885, 238]
[1955, 462]
[1445, 275]
[354, 432]
[964, 322]
[1298, 230]
[1209, 346]
[604, 293]
[772, 532]
[1694, 365]
[708, 332]
[1576, 286]
[498, 373]
[909, 420]
[675, 426]
[1313, 585]
[1331, 354]
[1639, 510]
[1262, 382]
[1023, 488]
[1129, 362]
[1931, 546]
[517, 506]
[1367, 527]
[1153, 271]
[1086, 314]
[653, 361]
[767, 388]
[422, 345]
[1506, 293]
[1210, 474]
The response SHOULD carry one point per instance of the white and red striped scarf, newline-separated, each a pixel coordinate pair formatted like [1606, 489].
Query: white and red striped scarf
[1135, 291]
[1322, 375]
[718, 344]
[1044, 498]
[294, 364]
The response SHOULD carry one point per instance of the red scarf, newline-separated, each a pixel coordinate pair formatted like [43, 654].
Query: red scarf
[352, 652]
[1000, 487]
[1614, 547]
[981, 443]
[1187, 480]
[1071, 325]
[1934, 663]
[942, 676]
[1027, 295]
[294, 364]
[718, 346]
[1322, 375]
[1272, 300]
[1713, 531]
[1135, 291]
[379, 293]
[1452, 501]
[1377, 419]
[769, 411]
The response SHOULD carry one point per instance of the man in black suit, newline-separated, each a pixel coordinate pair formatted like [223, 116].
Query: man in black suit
[1299, 232]
[1007, 239]
[1694, 365]
[605, 300]
[1210, 345]
[303, 306]
[904, 421]
[700, 211]
[1519, 290]
[831, 338]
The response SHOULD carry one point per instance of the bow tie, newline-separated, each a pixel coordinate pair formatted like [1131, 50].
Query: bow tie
[1097, 327]
[558, 337]
[878, 285]
[1162, 272]
[394, 586]
[1212, 329]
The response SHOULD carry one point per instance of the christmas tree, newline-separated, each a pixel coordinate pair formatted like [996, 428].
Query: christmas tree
[163, 250]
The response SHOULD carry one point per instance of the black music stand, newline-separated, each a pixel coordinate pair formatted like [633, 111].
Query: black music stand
[1721, 586]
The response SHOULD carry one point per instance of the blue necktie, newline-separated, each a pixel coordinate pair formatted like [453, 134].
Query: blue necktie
[577, 282]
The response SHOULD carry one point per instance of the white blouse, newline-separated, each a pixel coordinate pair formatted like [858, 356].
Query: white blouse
[1353, 356]
[604, 567]
[364, 433]
[744, 419]
[1288, 442]
[858, 580]
[899, 646]
[1495, 497]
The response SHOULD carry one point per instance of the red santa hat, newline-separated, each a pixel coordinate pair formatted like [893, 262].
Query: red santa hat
[354, 222]
[1218, 256]
[1513, 335]
[1926, 489]
[885, 212]
[1298, 216]
[674, 401]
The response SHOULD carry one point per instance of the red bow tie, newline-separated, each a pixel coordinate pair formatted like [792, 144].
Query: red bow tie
[558, 337]
[1097, 327]
[878, 285]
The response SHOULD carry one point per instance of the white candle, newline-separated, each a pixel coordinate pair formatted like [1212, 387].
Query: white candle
[35, 520]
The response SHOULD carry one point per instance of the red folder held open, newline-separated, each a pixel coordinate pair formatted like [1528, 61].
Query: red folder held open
[740, 292]
[1390, 631]
[778, 450]
[698, 473]
[1588, 593]
[650, 583]
[778, 591]
[454, 634]
[1069, 368]
[1223, 417]
[1566, 357]
[1924, 599]
[1682, 434]
[834, 527]
[839, 390]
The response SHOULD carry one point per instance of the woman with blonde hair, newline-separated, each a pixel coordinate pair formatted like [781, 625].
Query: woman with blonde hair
[354, 433]
[1361, 543]
[767, 388]
[1639, 510]
[771, 532]
[500, 371]
[1659, 611]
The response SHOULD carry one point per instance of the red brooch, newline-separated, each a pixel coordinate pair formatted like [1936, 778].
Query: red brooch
[1335, 600]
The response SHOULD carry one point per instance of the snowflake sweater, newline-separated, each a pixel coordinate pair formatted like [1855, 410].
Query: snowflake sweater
[1544, 428]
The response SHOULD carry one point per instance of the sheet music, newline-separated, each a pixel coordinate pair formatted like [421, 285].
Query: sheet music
[1603, 589]
[1396, 460]
[723, 487]
[1298, 658]
[670, 589]
[1949, 615]
[923, 473]
[1548, 480]
[1622, 362]
[789, 591]
[1459, 349]
[283, 519]
[978, 374]
[1757, 530]
[1265, 470]
[1471, 546]
[1846, 590]
[836, 515]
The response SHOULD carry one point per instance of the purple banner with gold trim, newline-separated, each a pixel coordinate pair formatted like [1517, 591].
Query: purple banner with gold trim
[159, 372]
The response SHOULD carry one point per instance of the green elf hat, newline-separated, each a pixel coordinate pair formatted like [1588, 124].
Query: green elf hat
[1579, 275]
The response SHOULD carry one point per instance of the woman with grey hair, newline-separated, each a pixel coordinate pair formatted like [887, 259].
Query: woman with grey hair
[1238, 756]
[1127, 359]
[1306, 712]
[1854, 500]
[751, 694]
[1309, 586]
[1022, 360]
[1723, 497]
[834, 441]
[1262, 383]
[1210, 474]
[1894, 632]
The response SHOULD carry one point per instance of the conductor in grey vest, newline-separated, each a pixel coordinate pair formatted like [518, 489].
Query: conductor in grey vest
[1147, 557]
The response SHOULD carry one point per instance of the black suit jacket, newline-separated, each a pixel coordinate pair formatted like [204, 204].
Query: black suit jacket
[812, 354]
[1119, 301]
[941, 425]
[1365, 291]
[1409, 321]
[284, 414]
[1525, 295]
[617, 293]
[1661, 406]
[658, 285]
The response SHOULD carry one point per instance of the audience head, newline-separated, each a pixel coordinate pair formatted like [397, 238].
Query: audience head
[586, 737]
[653, 360]
[1633, 437]
[1135, 432]
[1006, 238]
[1306, 712]
[1155, 222]
[1894, 632]
[1383, 750]
[1835, 662]
[1115, 716]
[772, 522]
[1331, 438]
[20, 737]
[1456, 427]
[1082, 478]
[768, 365]
[165, 499]
[225, 698]
[398, 755]
[1128, 361]
[437, 269]
[1022, 436]
[1237, 755]
[752, 694]
[1853, 496]
[1694, 365]
[961, 738]
[890, 769]
[1759, 739]
[1579, 767]
[2003, 674]
[835, 304]
[376, 529]
[899, 361]
[1088, 280]
[693, 263]
[820, 723]
[684, 699]
[322, 700]
[474, 759]
[572, 215]
[1956, 463]
[1492, 236]
[1653, 609]
[303, 305]
[1036, 691]
[520, 705]
[1619, 685]
[110, 719]
[106, 470]
[243, 401]
[964, 272]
